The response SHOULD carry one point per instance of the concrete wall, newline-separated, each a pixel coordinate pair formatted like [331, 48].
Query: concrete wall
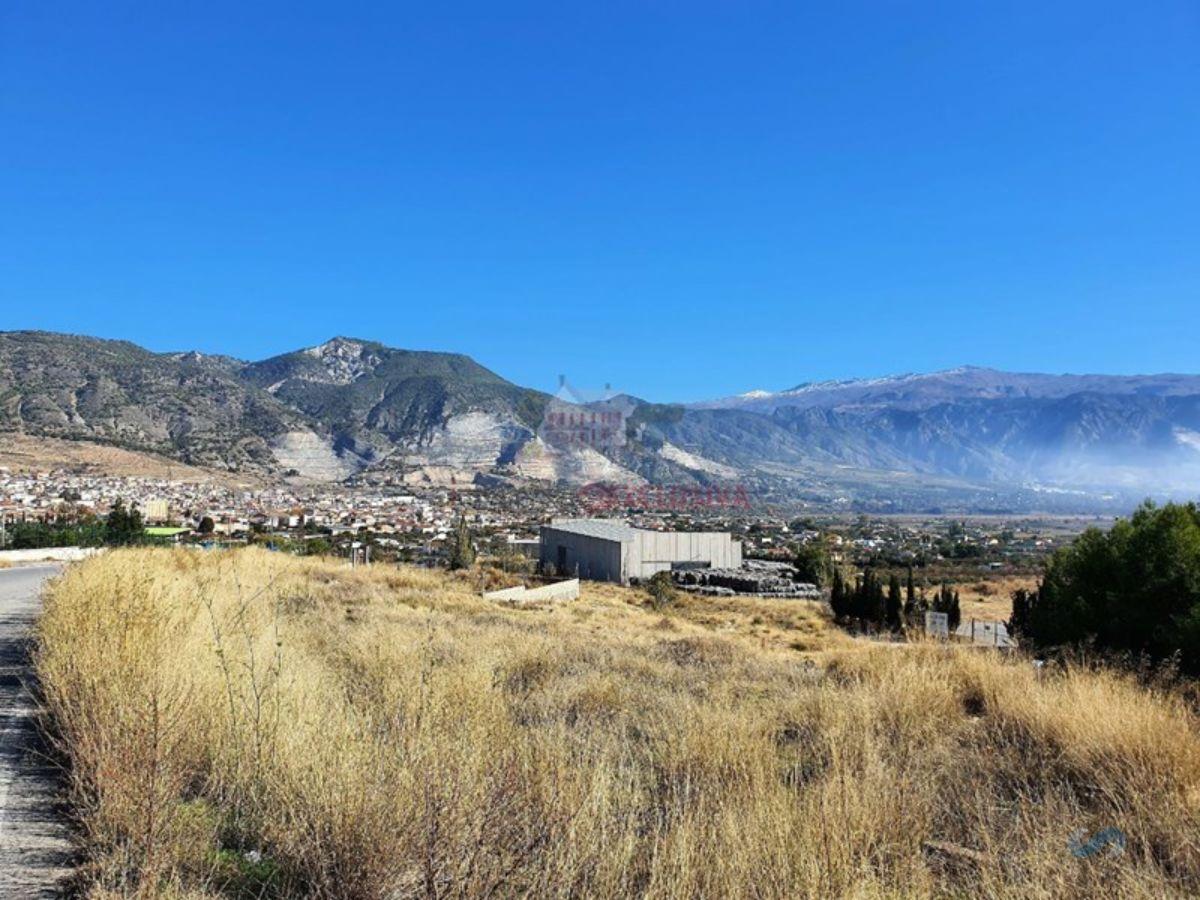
[561, 590]
[598, 559]
[55, 554]
[655, 551]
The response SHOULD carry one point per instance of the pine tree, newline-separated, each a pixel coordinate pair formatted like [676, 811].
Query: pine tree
[955, 613]
[114, 525]
[124, 526]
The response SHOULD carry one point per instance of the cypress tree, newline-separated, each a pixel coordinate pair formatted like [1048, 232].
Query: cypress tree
[858, 600]
[1022, 611]
[941, 600]
[837, 596]
[894, 605]
[462, 551]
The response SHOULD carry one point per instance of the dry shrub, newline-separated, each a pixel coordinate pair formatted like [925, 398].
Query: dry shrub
[250, 724]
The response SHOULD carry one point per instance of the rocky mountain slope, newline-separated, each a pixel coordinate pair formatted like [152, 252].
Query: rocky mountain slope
[382, 405]
[117, 393]
[1136, 432]
[323, 412]
[349, 406]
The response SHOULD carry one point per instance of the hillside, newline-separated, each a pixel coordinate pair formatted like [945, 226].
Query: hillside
[325, 412]
[966, 438]
[254, 724]
[114, 392]
[23, 453]
[438, 408]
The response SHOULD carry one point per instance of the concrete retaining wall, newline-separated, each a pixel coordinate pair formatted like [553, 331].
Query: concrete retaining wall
[561, 590]
[51, 554]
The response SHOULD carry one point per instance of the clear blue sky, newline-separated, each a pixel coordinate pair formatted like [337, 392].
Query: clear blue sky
[683, 199]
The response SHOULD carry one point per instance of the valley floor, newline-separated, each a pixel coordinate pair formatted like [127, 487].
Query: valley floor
[252, 724]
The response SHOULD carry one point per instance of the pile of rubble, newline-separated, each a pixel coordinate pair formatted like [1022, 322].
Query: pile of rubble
[756, 578]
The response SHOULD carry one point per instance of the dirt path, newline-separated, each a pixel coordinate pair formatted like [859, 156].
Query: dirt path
[34, 848]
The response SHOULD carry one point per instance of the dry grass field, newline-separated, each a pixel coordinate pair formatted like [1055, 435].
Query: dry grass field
[989, 599]
[255, 725]
[25, 453]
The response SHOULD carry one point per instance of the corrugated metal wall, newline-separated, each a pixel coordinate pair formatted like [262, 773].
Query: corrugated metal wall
[655, 551]
[595, 558]
[604, 559]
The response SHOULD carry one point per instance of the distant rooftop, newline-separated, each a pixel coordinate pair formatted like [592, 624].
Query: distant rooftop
[609, 529]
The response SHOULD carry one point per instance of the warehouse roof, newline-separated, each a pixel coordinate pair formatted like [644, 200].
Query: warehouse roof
[608, 529]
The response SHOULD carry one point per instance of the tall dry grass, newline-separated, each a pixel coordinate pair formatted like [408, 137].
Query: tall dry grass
[250, 724]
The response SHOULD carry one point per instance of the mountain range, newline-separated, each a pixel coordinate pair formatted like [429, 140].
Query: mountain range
[971, 436]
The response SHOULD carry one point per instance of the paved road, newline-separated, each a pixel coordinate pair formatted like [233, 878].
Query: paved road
[34, 848]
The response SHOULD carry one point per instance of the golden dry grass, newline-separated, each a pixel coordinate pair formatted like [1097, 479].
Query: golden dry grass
[386, 733]
[24, 453]
[989, 599]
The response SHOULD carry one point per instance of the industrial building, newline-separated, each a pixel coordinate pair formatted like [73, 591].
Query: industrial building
[610, 550]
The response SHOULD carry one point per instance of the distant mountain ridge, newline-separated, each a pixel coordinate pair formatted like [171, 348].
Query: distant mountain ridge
[351, 406]
[914, 390]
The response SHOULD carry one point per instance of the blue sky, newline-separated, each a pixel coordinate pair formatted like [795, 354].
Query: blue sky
[683, 199]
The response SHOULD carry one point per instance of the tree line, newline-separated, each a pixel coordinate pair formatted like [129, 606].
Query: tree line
[867, 605]
[122, 526]
[1132, 590]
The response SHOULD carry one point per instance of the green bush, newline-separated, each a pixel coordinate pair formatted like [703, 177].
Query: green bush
[661, 589]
